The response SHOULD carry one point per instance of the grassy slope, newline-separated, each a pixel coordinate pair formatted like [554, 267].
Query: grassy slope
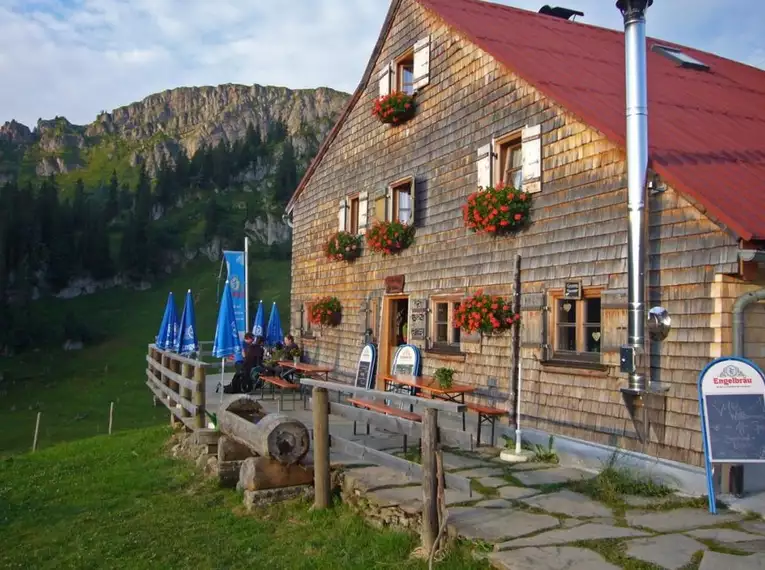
[73, 389]
[120, 502]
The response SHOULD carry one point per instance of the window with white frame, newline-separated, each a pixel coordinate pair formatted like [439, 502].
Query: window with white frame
[410, 72]
[514, 159]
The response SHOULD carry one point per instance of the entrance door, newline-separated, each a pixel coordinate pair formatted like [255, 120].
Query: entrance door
[395, 330]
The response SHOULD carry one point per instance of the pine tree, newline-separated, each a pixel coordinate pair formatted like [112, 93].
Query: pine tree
[286, 174]
[111, 210]
[78, 204]
[221, 165]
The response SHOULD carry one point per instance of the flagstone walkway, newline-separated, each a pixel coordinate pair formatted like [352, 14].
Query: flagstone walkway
[532, 519]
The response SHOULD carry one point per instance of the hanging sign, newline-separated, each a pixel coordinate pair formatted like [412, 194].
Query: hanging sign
[732, 410]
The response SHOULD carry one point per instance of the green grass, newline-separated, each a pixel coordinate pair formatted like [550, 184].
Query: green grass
[120, 502]
[73, 390]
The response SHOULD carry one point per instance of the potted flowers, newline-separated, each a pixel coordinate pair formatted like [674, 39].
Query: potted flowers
[343, 246]
[487, 314]
[389, 238]
[295, 354]
[444, 377]
[326, 311]
[395, 108]
[498, 210]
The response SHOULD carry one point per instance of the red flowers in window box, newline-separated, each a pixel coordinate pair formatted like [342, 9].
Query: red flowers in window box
[326, 311]
[499, 210]
[394, 109]
[487, 314]
[343, 246]
[389, 238]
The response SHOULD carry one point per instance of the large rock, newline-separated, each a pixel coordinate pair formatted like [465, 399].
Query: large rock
[496, 524]
[552, 476]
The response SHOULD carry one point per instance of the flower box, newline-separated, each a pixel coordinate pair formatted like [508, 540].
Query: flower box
[390, 238]
[326, 311]
[394, 109]
[487, 314]
[343, 246]
[500, 210]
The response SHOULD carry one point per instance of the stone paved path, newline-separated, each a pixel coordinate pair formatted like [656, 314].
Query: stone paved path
[533, 519]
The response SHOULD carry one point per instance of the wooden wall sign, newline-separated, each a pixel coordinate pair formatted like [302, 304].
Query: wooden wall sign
[419, 319]
[572, 290]
[394, 284]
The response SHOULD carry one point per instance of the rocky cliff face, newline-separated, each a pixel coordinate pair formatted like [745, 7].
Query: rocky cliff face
[163, 123]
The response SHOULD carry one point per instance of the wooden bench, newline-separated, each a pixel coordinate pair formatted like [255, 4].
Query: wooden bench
[486, 414]
[282, 384]
[384, 409]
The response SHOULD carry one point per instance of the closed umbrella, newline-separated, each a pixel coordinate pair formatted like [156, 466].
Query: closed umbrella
[168, 330]
[187, 342]
[226, 343]
[274, 332]
[259, 326]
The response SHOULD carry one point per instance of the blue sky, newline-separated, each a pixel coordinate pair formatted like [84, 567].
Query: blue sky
[78, 57]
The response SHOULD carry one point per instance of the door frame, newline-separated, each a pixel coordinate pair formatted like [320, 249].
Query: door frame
[384, 353]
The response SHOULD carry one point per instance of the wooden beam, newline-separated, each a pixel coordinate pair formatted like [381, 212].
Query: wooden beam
[179, 358]
[429, 479]
[364, 453]
[174, 411]
[186, 383]
[322, 483]
[440, 405]
[171, 396]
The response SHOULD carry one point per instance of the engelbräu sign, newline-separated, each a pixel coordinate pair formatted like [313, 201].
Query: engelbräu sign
[732, 409]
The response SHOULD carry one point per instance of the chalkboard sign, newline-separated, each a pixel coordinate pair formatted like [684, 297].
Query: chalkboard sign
[736, 427]
[365, 370]
[572, 290]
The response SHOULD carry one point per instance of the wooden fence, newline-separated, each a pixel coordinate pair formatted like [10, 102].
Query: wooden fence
[179, 383]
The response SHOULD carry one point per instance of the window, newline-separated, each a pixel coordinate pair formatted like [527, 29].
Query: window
[510, 161]
[577, 332]
[680, 57]
[447, 336]
[353, 226]
[405, 73]
[403, 205]
[305, 326]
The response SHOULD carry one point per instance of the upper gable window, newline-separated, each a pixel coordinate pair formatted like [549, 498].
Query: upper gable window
[514, 159]
[509, 166]
[680, 57]
[405, 73]
[352, 214]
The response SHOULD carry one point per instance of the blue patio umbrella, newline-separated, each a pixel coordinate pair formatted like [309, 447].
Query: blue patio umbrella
[186, 341]
[259, 326]
[274, 331]
[227, 341]
[168, 330]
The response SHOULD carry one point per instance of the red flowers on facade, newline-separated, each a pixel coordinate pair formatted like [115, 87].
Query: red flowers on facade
[326, 311]
[394, 108]
[487, 314]
[501, 209]
[390, 237]
[343, 246]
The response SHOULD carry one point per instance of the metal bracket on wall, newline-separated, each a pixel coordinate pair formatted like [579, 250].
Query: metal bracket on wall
[640, 404]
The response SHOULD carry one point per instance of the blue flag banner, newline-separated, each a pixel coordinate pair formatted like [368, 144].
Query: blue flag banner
[235, 268]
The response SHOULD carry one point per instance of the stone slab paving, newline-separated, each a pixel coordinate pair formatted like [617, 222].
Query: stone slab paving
[481, 472]
[755, 546]
[569, 503]
[493, 482]
[412, 496]
[723, 535]
[590, 531]
[495, 504]
[552, 476]
[757, 527]
[497, 524]
[678, 519]
[670, 551]
[529, 466]
[636, 501]
[551, 558]
[718, 561]
[454, 461]
[514, 493]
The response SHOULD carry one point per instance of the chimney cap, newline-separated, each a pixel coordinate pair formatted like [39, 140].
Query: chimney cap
[632, 8]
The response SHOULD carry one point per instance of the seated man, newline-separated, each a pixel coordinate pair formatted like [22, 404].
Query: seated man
[290, 345]
[246, 378]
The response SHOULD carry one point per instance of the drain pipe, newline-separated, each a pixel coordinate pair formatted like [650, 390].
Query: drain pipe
[632, 354]
[738, 318]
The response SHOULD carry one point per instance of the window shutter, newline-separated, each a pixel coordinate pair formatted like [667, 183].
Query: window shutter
[389, 204]
[381, 205]
[412, 187]
[363, 211]
[532, 159]
[484, 165]
[384, 80]
[342, 216]
[421, 63]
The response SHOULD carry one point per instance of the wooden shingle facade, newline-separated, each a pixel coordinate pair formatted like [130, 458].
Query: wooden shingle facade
[469, 103]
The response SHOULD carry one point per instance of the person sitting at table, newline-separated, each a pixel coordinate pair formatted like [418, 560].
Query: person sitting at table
[253, 358]
[290, 345]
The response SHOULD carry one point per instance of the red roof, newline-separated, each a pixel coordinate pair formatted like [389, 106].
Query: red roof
[706, 128]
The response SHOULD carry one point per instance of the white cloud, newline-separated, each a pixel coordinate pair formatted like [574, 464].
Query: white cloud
[77, 57]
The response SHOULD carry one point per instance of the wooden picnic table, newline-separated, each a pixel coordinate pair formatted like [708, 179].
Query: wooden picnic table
[428, 384]
[311, 370]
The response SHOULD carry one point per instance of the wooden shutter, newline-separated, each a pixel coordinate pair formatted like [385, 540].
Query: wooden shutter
[484, 165]
[389, 204]
[384, 80]
[531, 150]
[381, 206]
[412, 188]
[421, 63]
[363, 211]
[342, 216]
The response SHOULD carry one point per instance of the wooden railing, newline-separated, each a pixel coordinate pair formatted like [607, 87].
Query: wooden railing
[179, 383]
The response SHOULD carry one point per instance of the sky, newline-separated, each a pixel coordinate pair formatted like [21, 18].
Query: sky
[78, 57]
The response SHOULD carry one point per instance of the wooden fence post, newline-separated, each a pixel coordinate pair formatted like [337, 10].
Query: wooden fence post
[429, 478]
[199, 397]
[111, 416]
[186, 374]
[37, 431]
[322, 485]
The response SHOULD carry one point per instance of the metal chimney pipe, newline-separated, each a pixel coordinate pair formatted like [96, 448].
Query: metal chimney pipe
[633, 12]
